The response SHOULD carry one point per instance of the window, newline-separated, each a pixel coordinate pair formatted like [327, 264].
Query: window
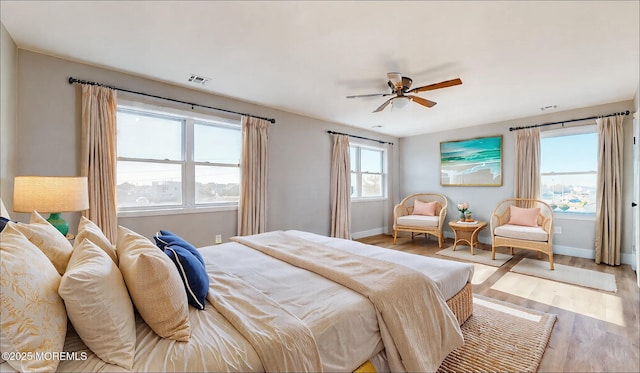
[170, 159]
[568, 169]
[368, 172]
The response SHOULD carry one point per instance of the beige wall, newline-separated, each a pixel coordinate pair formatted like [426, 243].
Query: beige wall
[8, 115]
[47, 132]
[299, 151]
[420, 168]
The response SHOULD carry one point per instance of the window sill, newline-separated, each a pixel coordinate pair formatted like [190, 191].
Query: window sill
[373, 199]
[175, 211]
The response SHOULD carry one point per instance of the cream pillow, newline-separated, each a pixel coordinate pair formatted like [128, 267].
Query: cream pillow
[32, 315]
[154, 284]
[48, 239]
[90, 230]
[3, 210]
[523, 216]
[98, 304]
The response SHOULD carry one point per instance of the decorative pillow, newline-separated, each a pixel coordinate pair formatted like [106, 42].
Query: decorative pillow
[424, 208]
[154, 285]
[98, 304]
[32, 315]
[89, 229]
[164, 238]
[3, 210]
[523, 216]
[48, 239]
[190, 266]
[4, 221]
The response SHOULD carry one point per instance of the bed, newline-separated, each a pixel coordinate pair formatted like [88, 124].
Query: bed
[342, 328]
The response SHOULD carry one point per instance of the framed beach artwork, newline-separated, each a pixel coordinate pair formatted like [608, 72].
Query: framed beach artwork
[472, 162]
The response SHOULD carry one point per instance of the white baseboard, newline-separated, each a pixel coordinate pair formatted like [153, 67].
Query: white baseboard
[625, 258]
[370, 232]
[574, 251]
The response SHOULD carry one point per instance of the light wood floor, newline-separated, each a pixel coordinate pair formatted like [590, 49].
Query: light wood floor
[595, 331]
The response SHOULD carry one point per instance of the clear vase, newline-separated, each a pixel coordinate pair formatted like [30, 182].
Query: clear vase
[462, 216]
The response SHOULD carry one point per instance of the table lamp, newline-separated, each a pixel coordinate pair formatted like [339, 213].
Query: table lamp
[51, 194]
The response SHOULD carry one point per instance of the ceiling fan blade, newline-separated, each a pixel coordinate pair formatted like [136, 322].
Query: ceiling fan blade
[430, 87]
[422, 101]
[386, 103]
[371, 95]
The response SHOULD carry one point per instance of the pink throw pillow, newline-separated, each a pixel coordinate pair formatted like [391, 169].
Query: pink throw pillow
[522, 216]
[424, 208]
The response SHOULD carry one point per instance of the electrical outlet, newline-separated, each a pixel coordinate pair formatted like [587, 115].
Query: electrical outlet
[557, 230]
[218, 238]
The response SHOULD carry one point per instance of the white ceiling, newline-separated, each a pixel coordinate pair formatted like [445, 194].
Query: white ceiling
[305, 57]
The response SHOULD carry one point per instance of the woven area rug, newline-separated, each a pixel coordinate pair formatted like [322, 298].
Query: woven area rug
[567, 274]
[480, 256]
[501, 337]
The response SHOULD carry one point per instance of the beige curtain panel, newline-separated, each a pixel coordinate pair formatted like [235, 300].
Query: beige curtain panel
[252, 209]
[99, 156]
[527, 175]
[609, 190]
[341, 188]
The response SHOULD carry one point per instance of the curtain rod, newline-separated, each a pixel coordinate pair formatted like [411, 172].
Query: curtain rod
[569, 121]
[359, 137]
[74, 80]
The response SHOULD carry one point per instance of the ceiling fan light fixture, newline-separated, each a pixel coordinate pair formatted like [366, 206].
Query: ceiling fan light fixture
[395, 78]
[400, 102]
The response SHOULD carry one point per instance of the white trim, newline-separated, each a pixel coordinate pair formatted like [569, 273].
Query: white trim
[175, 211]
[574, 251]
[368, 233]
[625, 258]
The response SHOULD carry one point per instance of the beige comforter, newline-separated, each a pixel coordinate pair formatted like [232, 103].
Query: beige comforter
[417, 327]
[282, 341]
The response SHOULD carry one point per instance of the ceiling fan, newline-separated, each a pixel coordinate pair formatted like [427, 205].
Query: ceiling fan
[400, 89]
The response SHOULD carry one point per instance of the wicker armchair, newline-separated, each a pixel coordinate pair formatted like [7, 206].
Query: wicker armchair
[537, 238]
[405, 221]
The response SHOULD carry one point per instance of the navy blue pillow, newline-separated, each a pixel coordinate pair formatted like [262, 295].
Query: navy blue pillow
[190, 266]
[164, 238]
[3, 222]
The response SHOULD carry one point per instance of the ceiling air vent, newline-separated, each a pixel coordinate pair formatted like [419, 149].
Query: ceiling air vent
[198, 79]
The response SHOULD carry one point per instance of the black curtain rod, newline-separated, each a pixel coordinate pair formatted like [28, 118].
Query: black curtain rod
[74, 80]
[569, 121]
[359, 137]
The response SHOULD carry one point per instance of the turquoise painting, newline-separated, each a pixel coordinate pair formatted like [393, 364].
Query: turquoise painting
[473, 162]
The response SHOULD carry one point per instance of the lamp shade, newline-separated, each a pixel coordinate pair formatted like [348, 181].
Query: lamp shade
[50, 194]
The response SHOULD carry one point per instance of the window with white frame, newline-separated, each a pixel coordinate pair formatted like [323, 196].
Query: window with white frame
[568, 169]
[368, 172]
[169, 159]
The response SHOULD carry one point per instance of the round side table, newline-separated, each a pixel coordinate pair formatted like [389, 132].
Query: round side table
[466, 232]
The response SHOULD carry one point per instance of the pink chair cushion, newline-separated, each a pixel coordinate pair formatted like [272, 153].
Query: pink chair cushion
[424, 208]
[525, 217]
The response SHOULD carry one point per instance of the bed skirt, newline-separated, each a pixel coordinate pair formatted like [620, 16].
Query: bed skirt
[461, 304]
